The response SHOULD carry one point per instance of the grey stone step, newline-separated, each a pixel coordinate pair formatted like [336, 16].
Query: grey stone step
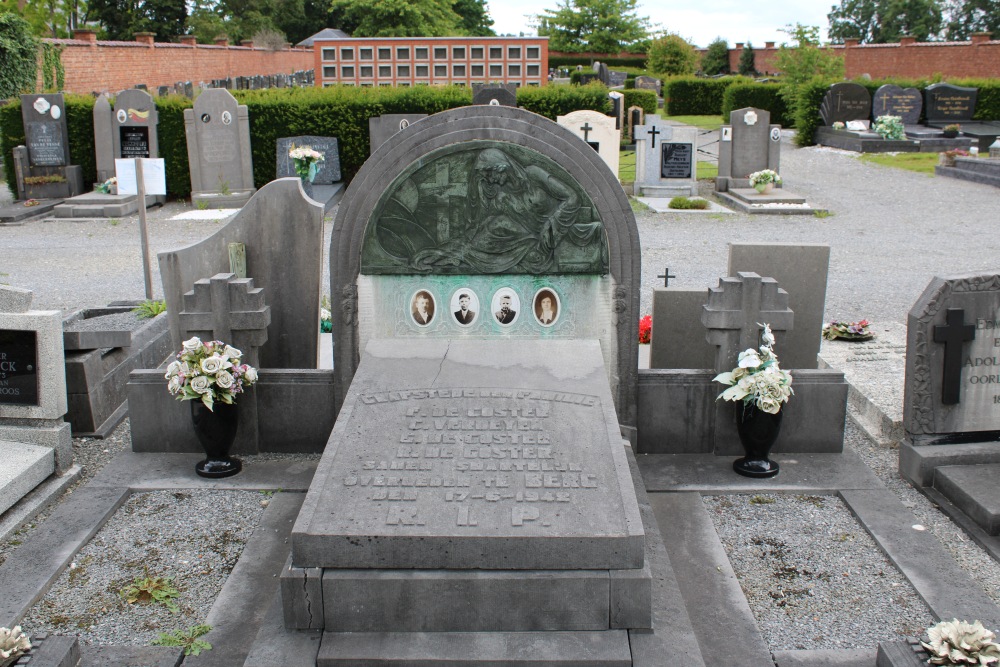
[972, 488]
[775, 196]
[980, 165]
[461, 649]
[966, 175]
[24, 467]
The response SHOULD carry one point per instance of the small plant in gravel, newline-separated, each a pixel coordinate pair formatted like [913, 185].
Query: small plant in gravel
[958, 642]
[149, 309]
[13, 644]
[188, 639]
[152, 589]
[686, 203]
[761, 500]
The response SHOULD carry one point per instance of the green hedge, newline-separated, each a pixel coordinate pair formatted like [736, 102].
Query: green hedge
[690, 96]
[336, 111]
[640, 98]
[759, 95]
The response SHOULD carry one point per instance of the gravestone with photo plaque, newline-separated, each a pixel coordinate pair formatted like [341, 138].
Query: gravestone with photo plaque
[218, 143]
[481, 476]
[666, 162]
[47, 141]
[747, 144]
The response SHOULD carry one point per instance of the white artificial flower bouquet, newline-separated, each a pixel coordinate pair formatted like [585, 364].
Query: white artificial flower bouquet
[758, 380]
[958, 642]
[306, 161]
[13, 644]
[208, 372]
[763, 177]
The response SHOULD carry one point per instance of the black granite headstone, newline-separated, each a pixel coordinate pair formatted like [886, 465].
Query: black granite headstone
[945, 103]
[603, 73]
[845, 102]
[134, 141]
[45, 144]
[675, 160]
[497, 94]
[18, 367]
[892, 100]
[616, 79]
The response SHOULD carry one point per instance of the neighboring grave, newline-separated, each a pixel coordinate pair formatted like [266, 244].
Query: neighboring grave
[648, 83]
[617, 79]
[382, 128]
[666, 159]
[33, 436]
[893, 100]
[617, 109]
[133, 121]
[495, 94]
[598, 131]
[104, 150]
[851, 104]
[326, 188]
[218, 143]
[603, 73]
[749, 143]
[636, 116]
[47, 140]
[945, 104]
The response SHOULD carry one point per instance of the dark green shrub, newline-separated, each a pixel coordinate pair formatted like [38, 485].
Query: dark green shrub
[552, 101]
[640, 98]
[689, 96]
[806, 110]
[759, 95]
[18, 56]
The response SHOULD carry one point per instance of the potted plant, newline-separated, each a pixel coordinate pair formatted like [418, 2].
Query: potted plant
[211, 375]
[957, 642]
[108, 187]
[763, 181]
[51, 186]
[951, 130]
[890, 128]
[762, 387]
[856, 331]
[947, 158]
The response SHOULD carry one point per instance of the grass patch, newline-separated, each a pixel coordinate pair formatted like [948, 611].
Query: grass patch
[703, 122]
[684, 203]
[922, 163]
[637, 206]
[707, 170]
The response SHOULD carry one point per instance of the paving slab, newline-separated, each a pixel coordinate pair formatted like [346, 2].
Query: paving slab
[241, 606]
[712, 595]
[800, 473]
[662, 205]
[972, 488]
[149, 472]
[32, 504]
[24, 579]
[24, 467]
[948, 591]
[826, 658]
[276, 646]
[131, 656]
[17, 213]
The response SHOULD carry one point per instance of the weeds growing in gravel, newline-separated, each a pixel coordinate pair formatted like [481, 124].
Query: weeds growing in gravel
[149, 309]
[152, 589]
[187, 639]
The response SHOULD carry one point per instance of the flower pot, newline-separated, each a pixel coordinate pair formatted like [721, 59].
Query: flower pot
[946, 160]
[216, 431]
[763, 188]
[757, 430]
[949, 134]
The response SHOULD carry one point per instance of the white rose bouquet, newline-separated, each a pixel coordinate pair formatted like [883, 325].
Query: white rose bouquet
[306, 161]
[208, 372]
[758, 380]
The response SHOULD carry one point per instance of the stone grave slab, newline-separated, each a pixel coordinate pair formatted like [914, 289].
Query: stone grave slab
[495, 94]
[617, 109]
[945, 103]
[850, 102]
[218, 143]
[603, 73]
[666, 162]
[598, 131]
[678, 338]
[648, 83]
[749, 143]
[471, 455]
[845, 102]
[776, 202]
[893, 100]
[25, 467]
[135, 121]
[104, 154]
[382, 128]
[616, 79]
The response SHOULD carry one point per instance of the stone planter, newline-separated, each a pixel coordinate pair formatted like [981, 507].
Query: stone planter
[46, 190]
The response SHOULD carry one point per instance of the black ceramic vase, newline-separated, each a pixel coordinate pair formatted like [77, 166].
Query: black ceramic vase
[216, 431]
[758, 430]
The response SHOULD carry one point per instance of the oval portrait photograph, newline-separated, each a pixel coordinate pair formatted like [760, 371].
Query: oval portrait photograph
[422, 308]
[505, 306]
[546, 306]
[465, 307]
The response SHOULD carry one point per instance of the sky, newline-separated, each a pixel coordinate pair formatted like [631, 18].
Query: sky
[733, 20]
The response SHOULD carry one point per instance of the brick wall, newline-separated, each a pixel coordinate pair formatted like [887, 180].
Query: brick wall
[979, 57]
[97, 66]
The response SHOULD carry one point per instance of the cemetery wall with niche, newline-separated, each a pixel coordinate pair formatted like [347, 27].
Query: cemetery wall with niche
[92, 65]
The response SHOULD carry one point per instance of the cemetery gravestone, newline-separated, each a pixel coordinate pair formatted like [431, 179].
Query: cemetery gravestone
[598, 131]
[135, 121]
[666, 160]
[326, 187]
[945, 104]
[892, 100]
[617, 79]
[218, 142]
[635, 117]
[504, 94]
[603, 73]
[381, 128]
[587, 77]
[850, 103]
[47, 140]
[617, 108]
[845, 102]
[748, 144]
[104, 153]
[648, 83]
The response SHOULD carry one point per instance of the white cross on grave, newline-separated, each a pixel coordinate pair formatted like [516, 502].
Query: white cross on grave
[735, 311]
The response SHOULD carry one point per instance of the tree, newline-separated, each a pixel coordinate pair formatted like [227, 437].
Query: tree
[18, 56]
[806, 59]
[884, 21]
[396, 18]
[48, 18]
[475, 18]
[968, 16]
[716, 58]
[672, 55]
[748, 64]
[598, 26]
[121, 19]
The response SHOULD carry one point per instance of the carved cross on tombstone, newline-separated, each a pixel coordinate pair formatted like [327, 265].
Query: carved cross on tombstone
[736, 308]
[652, 132]
[229, 309]
[586, 131]
[666, 277]
[436, 196]
[954, 334]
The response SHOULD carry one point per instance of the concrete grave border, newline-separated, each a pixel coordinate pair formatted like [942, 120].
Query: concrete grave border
[491, 123]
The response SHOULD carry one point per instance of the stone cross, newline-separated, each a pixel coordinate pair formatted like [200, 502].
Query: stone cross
[954, 335]
[586, 128]
[735, 311]
[229, 309]
[652, 133]
[666, 277]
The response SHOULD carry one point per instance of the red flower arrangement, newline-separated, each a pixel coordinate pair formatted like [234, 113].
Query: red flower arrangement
[645, 329]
